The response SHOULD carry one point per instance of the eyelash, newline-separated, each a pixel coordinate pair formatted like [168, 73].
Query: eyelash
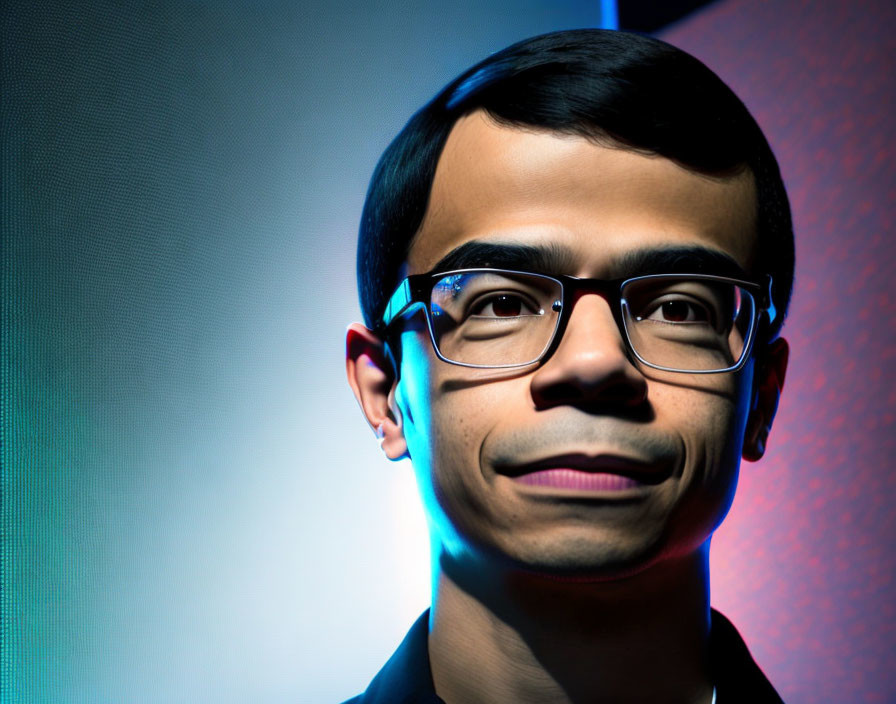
[491, 298]
[695, 307]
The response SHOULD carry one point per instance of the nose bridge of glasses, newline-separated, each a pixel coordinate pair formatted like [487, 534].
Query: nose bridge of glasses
[591, 313]
[589, 352]
[576, 289]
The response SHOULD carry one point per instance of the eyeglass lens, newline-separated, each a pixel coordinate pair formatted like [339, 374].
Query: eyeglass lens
[687, 324]
[492, 318]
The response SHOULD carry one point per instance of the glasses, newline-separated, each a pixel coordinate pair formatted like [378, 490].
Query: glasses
[496, 318]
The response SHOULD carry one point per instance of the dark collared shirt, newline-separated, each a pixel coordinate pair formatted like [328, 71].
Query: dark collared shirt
[407, 678]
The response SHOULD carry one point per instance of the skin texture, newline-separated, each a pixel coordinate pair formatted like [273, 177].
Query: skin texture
[555, 586]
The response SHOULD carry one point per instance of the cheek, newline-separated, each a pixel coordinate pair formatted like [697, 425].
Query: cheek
[448, 410]
[444, 424]
[709, 422]
[710, 436]
[449, 413]
[709, 415]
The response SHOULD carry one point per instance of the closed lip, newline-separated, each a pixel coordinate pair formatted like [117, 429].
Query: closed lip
[639, 470]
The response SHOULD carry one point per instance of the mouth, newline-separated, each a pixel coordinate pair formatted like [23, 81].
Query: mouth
[579, 472]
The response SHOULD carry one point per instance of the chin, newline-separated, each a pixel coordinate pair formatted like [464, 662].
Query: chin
[585, 561]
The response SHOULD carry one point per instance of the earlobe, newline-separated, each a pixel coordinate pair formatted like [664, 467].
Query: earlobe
[372, 379]
[768, 381]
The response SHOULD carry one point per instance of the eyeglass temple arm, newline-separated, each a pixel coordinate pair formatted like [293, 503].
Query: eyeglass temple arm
[770, 307]
[398, 303]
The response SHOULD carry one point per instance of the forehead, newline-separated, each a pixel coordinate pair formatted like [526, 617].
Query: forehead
[497, 183]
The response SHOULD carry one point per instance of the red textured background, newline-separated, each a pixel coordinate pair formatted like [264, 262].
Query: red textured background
[804, 564]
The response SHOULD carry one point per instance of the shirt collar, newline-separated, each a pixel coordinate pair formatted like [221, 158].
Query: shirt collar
[407, 677]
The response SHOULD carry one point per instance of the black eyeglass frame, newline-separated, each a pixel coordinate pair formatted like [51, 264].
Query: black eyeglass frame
[417, 289]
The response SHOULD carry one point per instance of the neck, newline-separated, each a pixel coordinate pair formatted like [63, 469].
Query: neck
[504, 636]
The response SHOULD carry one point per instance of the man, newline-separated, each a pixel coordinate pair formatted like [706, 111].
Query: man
[574, 263]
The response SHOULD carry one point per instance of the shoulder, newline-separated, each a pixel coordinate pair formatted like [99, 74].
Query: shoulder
[736, 675]
[407, 677]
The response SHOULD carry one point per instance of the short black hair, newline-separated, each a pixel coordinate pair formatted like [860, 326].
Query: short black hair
[629, 89]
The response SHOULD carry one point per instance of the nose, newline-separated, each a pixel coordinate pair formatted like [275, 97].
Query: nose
[590, 367]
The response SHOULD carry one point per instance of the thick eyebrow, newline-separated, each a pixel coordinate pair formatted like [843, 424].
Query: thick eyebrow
[554, 259]
[691, 259]
[544, 259]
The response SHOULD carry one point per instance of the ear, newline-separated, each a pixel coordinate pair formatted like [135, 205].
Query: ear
[768, 380]
[372, 378]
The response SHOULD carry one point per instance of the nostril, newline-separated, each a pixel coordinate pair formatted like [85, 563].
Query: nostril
[621, 397]
[557, 393]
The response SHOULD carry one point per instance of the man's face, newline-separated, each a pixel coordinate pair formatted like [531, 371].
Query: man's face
[473, 434]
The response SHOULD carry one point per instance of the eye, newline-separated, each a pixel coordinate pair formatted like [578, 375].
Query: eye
[503, 305]
[678, 310]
